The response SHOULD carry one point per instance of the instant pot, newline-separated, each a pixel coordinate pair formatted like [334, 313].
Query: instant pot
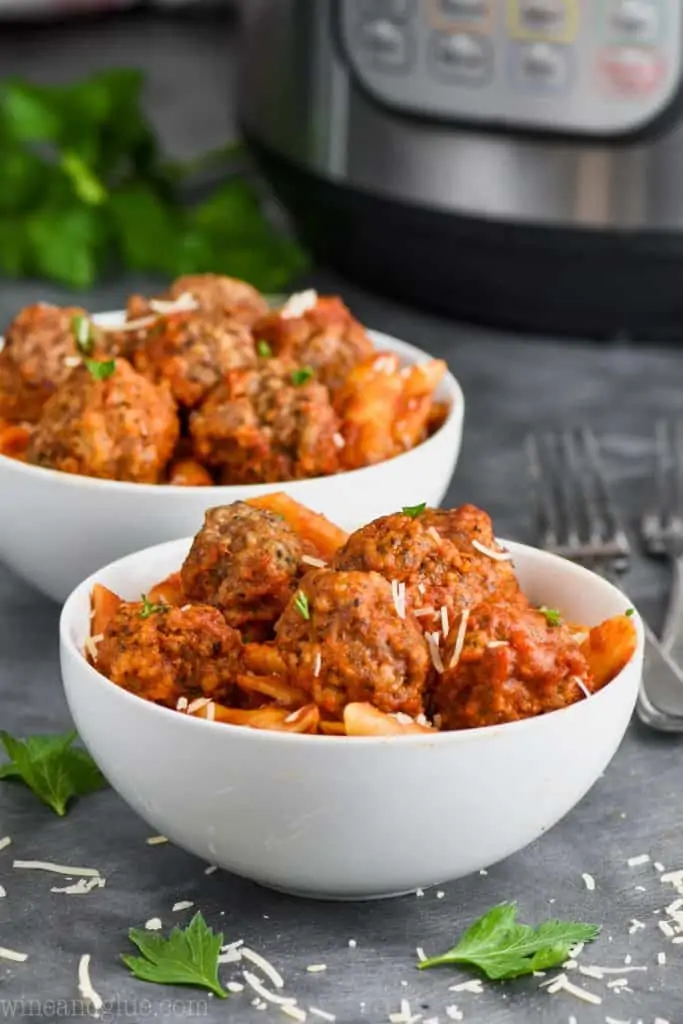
[512, 161]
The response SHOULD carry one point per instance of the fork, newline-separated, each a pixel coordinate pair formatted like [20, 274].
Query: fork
[578, 519]
[662, 526]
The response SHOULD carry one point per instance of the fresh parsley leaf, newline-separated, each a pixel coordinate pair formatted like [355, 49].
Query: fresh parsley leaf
[263, 349]
[502, 948]
[301, 605]
[149, 608]
[101, 369]
[84, 333]
[300, 377]
[52, 768]
[414, 510]
[629, 612]
[552, 616]
[189, 956]
[86, 184]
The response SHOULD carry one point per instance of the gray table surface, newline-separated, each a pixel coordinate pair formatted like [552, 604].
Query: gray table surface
[510, 383]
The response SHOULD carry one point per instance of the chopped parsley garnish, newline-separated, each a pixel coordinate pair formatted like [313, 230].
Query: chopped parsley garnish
[301, 605]
[300, 377]
[414, 510]
[263, 349]
[189, 956]
[149, 608]
[52, 768]
[502, 948]
[101, 369]
[84, 333]
[629, 612]
[552, 616]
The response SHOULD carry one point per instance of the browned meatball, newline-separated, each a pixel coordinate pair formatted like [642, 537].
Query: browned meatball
[119, 428]
[214, 293]
[325, 337]
[193, 352]
[432, 554]
[343, 641]
[178, 652]
[514, 664]
[244, 561]
[39, 353]
[262, 426]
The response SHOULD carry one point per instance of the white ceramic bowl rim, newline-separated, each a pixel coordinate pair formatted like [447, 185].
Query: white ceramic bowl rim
[273, 736]
[403, 348]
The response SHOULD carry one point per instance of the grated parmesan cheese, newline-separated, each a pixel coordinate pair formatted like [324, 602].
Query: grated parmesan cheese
[3, 892]
[80, 888]
[265, 993]
[497, 556]
[666, 929]
[211, 711]
[185, 303]
[153, 925]
[298, 304]
[582, 686]
[498, 643]
[440, 894]
[5, 842]
[475, 986]
[459, 639]
[421, 955]
[210, 870]
[420, 613]
[234, 986]
[317, 664]
[383, 364]
[434, 534]
[182, 704]
[444, 620]
[316, 968]
[352, 943]
[434, 652]
[182, 905]
[156, 840]
[588, 881]
[419, 893]
[338, 440]
[91, 644]
[264, 965]
[658, 866]
[562, 984]
[636, 926]
[58, 869]
[11, 954]
[317, 563]
[453, 1013]
[635, 862]
[661, 959]
[72, 361]
[404, 1015]
[294, 1011]
[197, 704]
[85, 985]
[323, 1014]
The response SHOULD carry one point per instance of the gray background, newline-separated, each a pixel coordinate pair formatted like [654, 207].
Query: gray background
[511, 384]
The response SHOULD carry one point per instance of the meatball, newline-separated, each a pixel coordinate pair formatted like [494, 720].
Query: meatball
[118, 428]
[39, 352]
[343, 641]
[514, 664]
[325, 337]
[175, 652]
[244, 561]
[214, 293]
[432, 554]
[193, 352]
[267, 425]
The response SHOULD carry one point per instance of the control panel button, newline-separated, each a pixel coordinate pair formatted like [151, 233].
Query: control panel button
[461, 57]
[385, 43]
[632, 71]
[542, 60]
[395, 10]
[635, 18]
[543, 67]
[554, 21]
[464, 8]
[543, 12]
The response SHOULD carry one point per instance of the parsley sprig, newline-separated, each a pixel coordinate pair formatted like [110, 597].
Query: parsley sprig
[263, 349]
[85, 186]
[51, 767]
[301, 376]
[150, 608]
[101, 369]
[189, 956]
[501, 948]
[301, 604]
[414, 510]
[84, 334]
[552, 616]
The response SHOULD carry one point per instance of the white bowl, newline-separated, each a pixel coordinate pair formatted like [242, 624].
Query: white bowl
[56, 528]
[348, 818]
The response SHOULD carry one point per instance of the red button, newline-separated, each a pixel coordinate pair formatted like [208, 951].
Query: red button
[632, 70]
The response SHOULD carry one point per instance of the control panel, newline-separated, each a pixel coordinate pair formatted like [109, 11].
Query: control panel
[596, 67]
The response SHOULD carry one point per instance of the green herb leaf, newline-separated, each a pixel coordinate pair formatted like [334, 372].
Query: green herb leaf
[86, 184]
[84, 333]
[301, 605]
[263, 349]
[300, 377]
[414, 510]
[189, 956]
[629, 612]
[101, 369]
[552, 616]
[502, 948]
[148, 608]
[52, 768]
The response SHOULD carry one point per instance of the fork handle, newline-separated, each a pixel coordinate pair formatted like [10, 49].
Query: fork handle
[672, 634]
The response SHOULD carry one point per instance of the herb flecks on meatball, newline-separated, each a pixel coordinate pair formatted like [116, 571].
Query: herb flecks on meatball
[245, 562]
[116, 426]
[343, 640]
[170, 653]
[268, 425]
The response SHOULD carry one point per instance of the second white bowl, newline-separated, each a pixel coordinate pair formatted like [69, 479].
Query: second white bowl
[55, 528]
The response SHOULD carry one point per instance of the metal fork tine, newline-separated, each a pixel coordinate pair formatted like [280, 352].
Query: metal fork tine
[677, 475]
[548, 523]
[662, 458]
[615, 531]
[588, 505]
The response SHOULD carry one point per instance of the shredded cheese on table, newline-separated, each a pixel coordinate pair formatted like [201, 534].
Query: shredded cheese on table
[294, 1011]
[323, 1014]
[588, 881]
[85, 985]
[80, 888]
[3, 892]
[475, 986]
[316, 968]
[264, 965]
[642, 858]
[181, 905]
[153, 925]
[11, 954]
[561, 983]
[59, 869]
[265, 993]
[5, 842]
[157, 840]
